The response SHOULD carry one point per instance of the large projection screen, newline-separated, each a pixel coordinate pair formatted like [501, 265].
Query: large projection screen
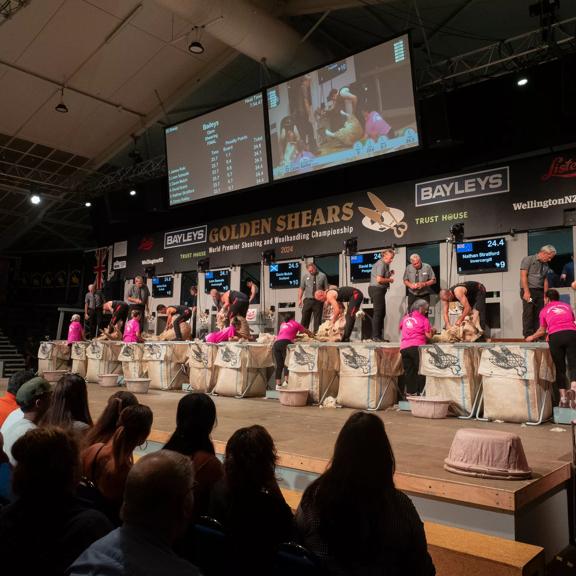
[357, 108]
[218, 152]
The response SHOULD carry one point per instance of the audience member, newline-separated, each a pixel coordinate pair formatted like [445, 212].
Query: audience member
[107, 465]
[195, 420]
[157, 508]
[69, 405]
[5, 476]
[106, 425]
[248, 502]
[33, 397]
[46, 527]
[353, 518]
[8, 402]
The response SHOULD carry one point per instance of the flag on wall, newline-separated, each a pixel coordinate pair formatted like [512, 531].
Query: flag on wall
[100, 267]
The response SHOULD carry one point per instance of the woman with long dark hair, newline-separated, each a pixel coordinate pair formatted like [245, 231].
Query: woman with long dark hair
[69, 405]
[195, 419]
[248, 501]
[353, 518]
[107, 423]
[107, 465]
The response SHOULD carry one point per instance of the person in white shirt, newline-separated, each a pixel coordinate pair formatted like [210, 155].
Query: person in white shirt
[34, 399]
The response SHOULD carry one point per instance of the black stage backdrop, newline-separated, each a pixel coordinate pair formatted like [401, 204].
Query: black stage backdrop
[534, 193]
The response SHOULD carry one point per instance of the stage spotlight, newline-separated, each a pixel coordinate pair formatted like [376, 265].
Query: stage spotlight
[35, 199]
[87, 204]
[522, 81]
[351, 246]
[196, 47]
[61, 107]
[204, 265]
[269, 256]
[132, 192]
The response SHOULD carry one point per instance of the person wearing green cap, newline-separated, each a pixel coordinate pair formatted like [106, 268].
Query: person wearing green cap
[33, 397]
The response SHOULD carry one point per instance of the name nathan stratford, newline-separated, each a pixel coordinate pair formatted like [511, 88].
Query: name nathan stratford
[472, 185]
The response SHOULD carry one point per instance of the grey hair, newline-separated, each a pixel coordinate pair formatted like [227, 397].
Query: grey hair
[418, 305]
[388, 251]
[549, 249]
[139, 276]
[75, 318]
[412, 256]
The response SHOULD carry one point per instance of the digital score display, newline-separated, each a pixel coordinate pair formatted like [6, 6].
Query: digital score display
[482, 256]
[162, 286]
[361, 266]
[285, 275]
[357, 108]
[216, 153]
[219, 279]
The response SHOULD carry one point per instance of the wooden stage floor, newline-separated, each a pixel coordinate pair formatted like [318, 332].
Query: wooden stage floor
[305, 439]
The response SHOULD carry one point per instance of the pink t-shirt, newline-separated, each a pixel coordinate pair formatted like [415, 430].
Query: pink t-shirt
[131, 331]
[557, 316]
[221, 335]
[376, 126]
[288, 330]
[75, 332]
[413, 328]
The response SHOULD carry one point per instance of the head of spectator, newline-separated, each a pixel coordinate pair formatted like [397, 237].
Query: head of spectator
[353, 494]
[195, 419]
[106, 425]
[134, 427]
[33, 397]
[250, 461]
[48, 458]
[17, 379]
[69, 404]
[546, 253]
[420, 306]
[416, 261]
[158, 495]
[388, 255]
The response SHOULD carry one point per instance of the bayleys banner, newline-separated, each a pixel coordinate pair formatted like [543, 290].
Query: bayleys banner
[522, 195]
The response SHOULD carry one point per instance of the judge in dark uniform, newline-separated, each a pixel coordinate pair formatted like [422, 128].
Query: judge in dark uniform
[472, 296]
[337, 297]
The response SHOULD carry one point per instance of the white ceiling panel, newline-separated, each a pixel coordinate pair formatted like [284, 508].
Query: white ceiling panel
[159, 22]
[21, 96]
[67, 41]
[116, 62]
[18, 32]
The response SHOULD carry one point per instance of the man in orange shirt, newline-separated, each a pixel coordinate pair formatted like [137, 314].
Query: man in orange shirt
[8, 401]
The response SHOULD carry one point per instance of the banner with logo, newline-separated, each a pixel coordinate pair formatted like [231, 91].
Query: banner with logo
[526, 194]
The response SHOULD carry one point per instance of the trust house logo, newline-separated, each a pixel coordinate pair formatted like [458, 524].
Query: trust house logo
[464, 186]
[381, 218]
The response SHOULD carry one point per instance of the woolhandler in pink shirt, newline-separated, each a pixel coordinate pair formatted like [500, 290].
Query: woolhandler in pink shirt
[75, 330]
[557, 320]
[286, 335]
[132, 328]
[415, 331]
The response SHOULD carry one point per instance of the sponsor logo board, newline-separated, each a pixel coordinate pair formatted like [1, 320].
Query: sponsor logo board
[185, 237]
[463, 186]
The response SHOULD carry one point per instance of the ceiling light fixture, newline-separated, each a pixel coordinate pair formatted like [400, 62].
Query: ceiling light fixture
[61, 107]
[35, 199]
[522, 81]
[88, 204]
[132, 192]
[196, 47]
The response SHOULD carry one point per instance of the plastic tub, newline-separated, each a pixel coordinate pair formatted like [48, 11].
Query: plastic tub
[53, 376]
[108, 380]
[429, 406]
[297, 397]
[137, 385]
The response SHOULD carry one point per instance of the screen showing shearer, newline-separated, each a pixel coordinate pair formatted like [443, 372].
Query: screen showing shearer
[361, 266]
[219, 279]
[482, 256]
[218, 152]
[285, 275]
[357, 108]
